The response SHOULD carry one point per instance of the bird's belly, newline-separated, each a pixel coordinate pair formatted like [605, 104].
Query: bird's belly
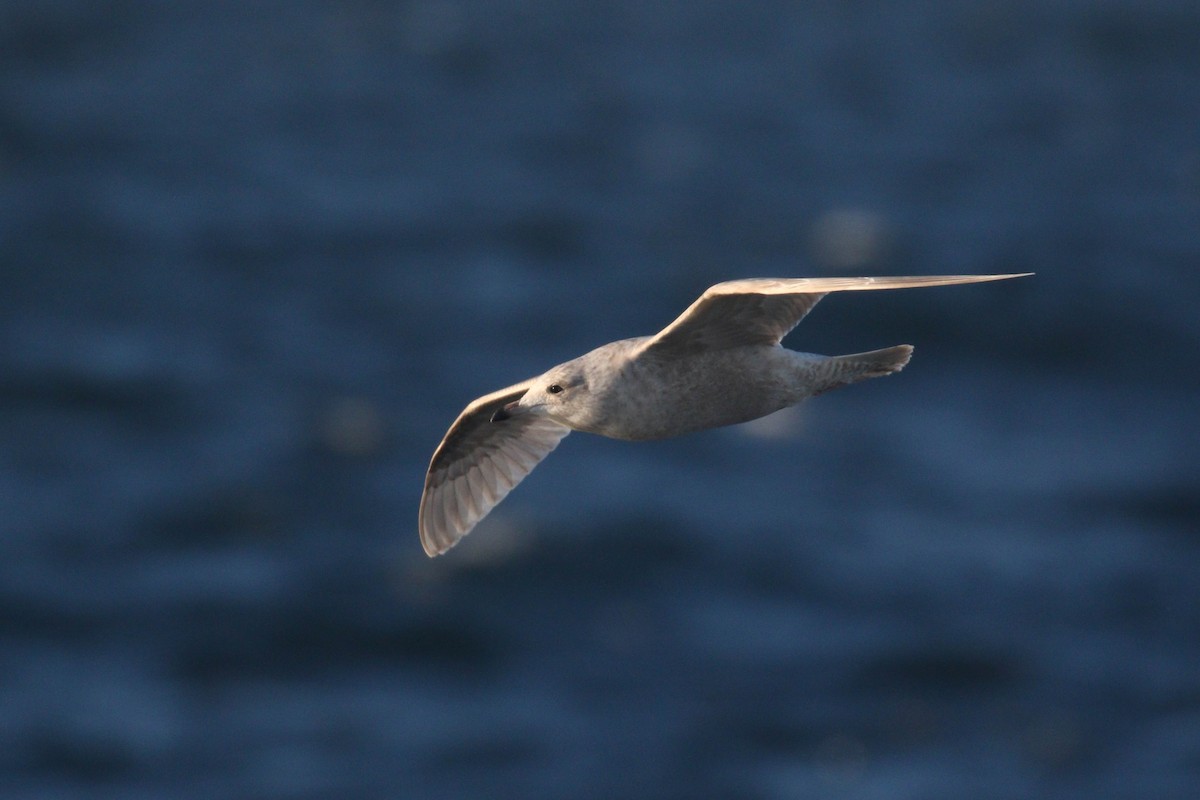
[661, 400]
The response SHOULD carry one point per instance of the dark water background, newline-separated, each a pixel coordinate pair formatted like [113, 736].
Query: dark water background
[256, 256]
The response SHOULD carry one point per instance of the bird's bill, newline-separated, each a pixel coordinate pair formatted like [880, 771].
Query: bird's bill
[508, 411]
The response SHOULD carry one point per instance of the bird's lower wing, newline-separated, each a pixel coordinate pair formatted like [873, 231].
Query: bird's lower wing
[763, 310]
[478, 463]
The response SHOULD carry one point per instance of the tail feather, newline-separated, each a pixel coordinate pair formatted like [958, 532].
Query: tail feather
[843, 370]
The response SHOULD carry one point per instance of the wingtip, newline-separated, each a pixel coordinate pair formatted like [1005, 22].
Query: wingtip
[1000, 276]
[949, 280]
[433, 542]
[427, 544]
[434, 549]
[437, 538]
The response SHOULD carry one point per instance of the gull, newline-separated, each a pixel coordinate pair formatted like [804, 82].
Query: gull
[719, 363]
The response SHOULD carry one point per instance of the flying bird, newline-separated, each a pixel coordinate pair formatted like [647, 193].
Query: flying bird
[719, 363]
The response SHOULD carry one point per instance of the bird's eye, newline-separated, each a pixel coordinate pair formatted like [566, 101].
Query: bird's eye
[554, 388]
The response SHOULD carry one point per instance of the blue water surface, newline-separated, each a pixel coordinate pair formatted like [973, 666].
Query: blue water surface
[256, 257]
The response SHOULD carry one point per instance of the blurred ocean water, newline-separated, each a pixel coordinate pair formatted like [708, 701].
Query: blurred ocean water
[257, 257]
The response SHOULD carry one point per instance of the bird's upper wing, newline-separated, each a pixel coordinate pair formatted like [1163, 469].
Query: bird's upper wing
[478, 463]
[763, 310]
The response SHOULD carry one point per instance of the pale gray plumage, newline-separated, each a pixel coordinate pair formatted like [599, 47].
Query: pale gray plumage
[718, 363]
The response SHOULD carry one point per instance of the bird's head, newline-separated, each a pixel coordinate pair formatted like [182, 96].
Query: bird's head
[556, 394]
